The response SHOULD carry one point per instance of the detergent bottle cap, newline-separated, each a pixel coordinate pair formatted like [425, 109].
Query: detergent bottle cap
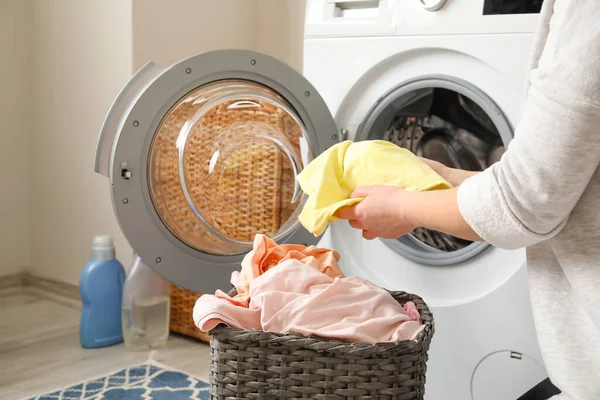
[102, 241]
[103, 248]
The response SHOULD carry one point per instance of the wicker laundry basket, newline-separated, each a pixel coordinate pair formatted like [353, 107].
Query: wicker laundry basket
[247, 364]
[182, 304]
[254, 192]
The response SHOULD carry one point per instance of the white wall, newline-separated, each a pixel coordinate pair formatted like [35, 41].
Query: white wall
[280, 30]
[15, 114]
[167, 31]
[82, 54]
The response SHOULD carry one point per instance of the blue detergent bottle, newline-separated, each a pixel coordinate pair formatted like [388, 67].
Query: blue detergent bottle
[101, 290]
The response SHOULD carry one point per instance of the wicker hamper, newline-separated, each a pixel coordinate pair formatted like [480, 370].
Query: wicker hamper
[247, 364]
[182, 304]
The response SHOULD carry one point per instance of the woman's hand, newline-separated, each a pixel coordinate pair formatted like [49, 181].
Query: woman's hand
[379, 214]
[454, 176]
[389, 212]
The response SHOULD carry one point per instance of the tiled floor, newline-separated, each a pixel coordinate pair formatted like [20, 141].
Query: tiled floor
[40, 351]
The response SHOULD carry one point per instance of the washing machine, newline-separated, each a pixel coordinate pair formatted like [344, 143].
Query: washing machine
[202, 155]
[446, 80]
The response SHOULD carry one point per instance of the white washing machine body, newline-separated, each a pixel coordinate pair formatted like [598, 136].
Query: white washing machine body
[364, 56]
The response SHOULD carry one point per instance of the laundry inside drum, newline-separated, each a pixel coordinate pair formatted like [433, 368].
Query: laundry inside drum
[445, 126]
[222, 166]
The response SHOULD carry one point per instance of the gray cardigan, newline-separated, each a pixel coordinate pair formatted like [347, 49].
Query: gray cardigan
[545, 194]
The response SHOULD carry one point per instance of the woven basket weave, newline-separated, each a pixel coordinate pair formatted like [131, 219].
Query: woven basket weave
[247, 364]
[182, 304]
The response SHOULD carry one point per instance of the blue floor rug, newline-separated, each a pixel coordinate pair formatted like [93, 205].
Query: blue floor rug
[141, 382]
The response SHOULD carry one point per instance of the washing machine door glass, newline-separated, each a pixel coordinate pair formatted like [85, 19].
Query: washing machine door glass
[204, 155]
[222, 166]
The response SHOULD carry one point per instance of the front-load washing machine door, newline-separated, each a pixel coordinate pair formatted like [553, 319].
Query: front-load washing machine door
[203, 155]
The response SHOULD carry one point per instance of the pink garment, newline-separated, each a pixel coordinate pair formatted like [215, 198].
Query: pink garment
[411, 309]
[295, 297]
[267, 254]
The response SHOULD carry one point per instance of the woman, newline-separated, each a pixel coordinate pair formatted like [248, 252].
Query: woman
[544, 195]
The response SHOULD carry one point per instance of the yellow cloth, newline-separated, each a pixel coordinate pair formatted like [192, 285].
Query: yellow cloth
[331, 177]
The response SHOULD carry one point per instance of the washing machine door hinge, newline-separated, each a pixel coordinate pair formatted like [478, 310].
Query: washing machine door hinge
[343, 136]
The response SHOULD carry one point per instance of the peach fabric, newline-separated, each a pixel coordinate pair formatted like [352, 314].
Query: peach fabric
[296, 297]
[267, 254]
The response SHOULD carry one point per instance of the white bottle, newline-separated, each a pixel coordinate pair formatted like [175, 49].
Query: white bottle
[145, 309]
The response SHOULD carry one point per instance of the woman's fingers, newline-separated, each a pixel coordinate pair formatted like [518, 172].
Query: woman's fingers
[348, 213]
[369, 235]
[361, 191]
[355, 224]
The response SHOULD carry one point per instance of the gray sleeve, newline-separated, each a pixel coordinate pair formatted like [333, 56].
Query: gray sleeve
[528, 195]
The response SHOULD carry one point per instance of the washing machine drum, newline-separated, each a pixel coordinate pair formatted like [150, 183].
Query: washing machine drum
[203, 155]
[449, 120]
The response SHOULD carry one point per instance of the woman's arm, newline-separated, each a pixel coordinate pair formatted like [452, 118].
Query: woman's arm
[528, 195]
[455, 176]
[390, 212]
[438, 210]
